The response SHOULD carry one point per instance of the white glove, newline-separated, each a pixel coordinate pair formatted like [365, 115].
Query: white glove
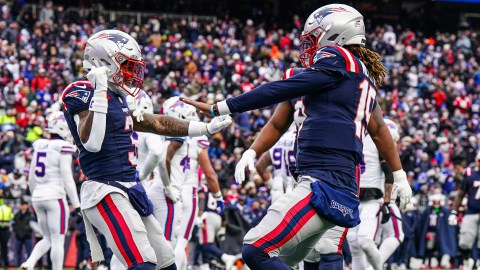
[218, 123]
[173, 193]
[136, 111]
[453, 218]
[196, 128]
[401, 188]
[98, 78]
[248, 159]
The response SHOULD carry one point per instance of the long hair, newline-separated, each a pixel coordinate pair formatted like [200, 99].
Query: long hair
[372, 60]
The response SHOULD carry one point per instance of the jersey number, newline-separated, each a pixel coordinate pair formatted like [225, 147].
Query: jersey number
[367, 96]
[288, 158]
[40, 164]
[132, 155]
[476, 184]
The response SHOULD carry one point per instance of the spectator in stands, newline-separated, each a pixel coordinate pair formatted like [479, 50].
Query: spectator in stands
[41, 81]
[16, 184]
[6, 216]
[23, 232]
[47, 13]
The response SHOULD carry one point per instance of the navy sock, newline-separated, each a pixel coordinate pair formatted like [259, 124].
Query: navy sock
[257, 259]
[144, 266]
[173, 266]
[310, 265]
[333, 261]
[212, 249]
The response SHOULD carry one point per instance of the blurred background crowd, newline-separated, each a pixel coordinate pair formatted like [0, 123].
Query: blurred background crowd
[431, 91]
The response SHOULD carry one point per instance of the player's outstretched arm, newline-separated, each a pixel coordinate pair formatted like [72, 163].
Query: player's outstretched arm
[169, 126]
[382, 138]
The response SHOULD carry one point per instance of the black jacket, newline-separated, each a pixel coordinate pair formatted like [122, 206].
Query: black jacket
[21, 225]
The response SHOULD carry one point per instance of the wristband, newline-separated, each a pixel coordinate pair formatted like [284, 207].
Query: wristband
[212, 113]
[218, 195]
[196, 129]
[99, 102]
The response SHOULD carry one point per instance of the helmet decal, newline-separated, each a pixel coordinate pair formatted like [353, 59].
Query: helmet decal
[119, 40]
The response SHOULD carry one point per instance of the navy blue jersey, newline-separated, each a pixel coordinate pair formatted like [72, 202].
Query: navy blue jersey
[471, 185]
[116, 160]
[338, 100]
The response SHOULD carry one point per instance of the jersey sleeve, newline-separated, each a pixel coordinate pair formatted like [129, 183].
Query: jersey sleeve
[67, 148]
[310, 81]
[203, 142]
[77, 96]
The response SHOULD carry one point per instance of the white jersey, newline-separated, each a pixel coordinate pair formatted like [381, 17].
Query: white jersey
[178, 164]
[150, 144]
[47, 177]
[282, 155]
[372, 176]
[195, 145]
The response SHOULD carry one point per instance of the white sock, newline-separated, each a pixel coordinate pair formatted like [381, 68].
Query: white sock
[57, 254]
[116, 264]
[40, 249]
[373, 255]
[180, 254]
[388, 247]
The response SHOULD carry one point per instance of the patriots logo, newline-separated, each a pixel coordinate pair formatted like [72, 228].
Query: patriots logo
[342, 208]
[323, 13]
[322, 54]
[118, 39]
[80, 94]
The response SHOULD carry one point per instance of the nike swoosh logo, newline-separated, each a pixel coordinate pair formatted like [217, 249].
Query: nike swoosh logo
[82, 86]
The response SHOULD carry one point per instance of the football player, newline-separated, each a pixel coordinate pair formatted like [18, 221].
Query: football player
[376, 183]
[51, 181]
[99, 119]
[471, 220]
[339, 100]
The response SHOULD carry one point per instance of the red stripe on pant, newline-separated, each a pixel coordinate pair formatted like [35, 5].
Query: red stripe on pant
[125, 230]
[395, 225]
[170, 216]
[286, 219]
[340, 243]
[62, 216]
[192, 215]
[378, 226]
[205, 232]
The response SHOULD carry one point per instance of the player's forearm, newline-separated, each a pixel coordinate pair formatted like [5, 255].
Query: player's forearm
[66, 172]
[162, 125]
[458, 200]
[388, 192]
[150, 163]
[210, 174]
[262, 165]
[31, 180]
[91, 138]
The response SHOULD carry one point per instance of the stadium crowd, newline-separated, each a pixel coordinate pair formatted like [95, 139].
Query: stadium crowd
[431, 91]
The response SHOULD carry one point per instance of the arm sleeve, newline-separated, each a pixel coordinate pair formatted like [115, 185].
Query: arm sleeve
[310, 81]
[387, 171]
[66, 171]
[97, 134]
[31, 179]
[154, 155]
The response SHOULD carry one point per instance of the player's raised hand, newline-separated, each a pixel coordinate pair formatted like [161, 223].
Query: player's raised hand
[401, 188]
[98, 78]
[218, 123]
[203, 107]
[248, 159]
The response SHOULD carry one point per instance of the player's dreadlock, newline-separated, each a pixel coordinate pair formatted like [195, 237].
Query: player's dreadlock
[372, 60]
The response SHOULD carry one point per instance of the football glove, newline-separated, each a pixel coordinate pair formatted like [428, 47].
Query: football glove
[401, 188]
[98, 78]
[248, 159]
[453, 218]
[385, 210]
[218, 123]
[173, 193]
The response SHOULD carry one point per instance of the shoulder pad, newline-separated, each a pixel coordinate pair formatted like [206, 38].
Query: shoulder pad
[291, 72]
[336, 58]
[77, 96]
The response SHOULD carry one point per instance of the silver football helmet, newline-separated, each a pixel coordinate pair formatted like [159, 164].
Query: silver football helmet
[176, 108]
[334, 24]
[56, 124]
[120, 53]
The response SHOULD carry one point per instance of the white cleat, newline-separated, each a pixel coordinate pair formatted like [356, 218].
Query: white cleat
[229, 261]
[25, 266]
[205, 266]
[468, 264]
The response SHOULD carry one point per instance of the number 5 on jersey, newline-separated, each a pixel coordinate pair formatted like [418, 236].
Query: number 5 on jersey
[367, 96]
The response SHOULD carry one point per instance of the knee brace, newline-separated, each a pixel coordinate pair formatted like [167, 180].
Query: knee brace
[256, 258]
[332, 261]
[144, 266]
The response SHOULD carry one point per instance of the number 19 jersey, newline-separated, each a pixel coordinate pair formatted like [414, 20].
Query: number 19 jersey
[282, 154]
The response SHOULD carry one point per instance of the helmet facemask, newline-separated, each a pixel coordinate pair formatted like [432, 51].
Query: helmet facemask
[129, 76]
[309, 46]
